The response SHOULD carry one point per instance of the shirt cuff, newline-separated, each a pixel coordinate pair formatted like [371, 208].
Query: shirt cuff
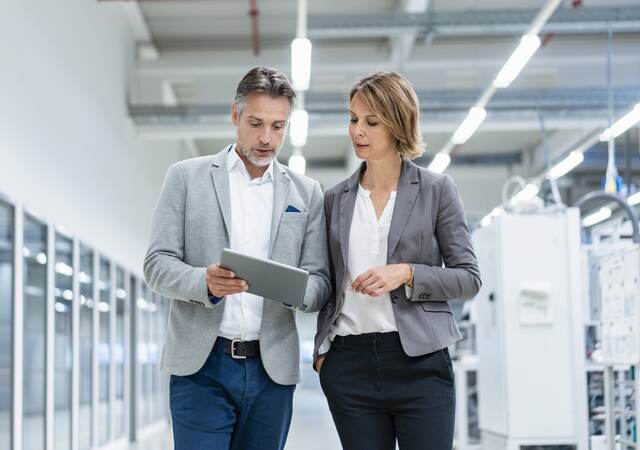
[213, 299]
[408, 291]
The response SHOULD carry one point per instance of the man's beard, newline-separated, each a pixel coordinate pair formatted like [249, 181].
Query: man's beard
[259, 160]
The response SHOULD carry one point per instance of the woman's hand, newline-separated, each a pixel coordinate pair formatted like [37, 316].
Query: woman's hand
[318, 363]
[380, 280]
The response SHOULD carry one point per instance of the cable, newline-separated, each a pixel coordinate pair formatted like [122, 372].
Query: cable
[506, 198]
[588, 198]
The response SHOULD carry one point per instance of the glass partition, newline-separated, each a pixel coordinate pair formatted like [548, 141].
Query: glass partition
[122, 298]
[104, 356]
[6, 321]
[35, 332]
[64, 272]
[87, 304]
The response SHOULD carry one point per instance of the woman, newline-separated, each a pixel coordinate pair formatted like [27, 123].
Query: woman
[381, 345]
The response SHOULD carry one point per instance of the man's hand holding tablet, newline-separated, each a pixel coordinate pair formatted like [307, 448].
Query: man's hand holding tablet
[223, 282]
[266, 278]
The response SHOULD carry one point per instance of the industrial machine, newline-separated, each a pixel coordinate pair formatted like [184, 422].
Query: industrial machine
[465, 367]
[619, 281]
[530, 326]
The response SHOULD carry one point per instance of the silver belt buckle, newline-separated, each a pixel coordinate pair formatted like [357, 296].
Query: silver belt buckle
[233, 350]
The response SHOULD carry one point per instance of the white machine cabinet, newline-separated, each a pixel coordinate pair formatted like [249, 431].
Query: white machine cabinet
[531, 383]
[620, 296]
[619, 280]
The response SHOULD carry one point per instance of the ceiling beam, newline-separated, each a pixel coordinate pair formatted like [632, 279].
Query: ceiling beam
[561, 109]
[587, 20]
[566, 102]
[336, 126]
[146, 49]
[347, 59]
[402, 45]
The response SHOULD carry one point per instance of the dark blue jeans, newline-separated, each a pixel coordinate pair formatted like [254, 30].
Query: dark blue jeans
[230, 404]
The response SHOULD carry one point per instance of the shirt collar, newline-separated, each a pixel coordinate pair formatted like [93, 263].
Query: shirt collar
[233, 161]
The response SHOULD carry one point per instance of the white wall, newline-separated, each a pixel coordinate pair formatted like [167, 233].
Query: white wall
[66, 149]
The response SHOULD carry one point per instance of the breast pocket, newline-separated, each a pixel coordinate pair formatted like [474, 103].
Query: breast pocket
[291, 233]
[294, 216]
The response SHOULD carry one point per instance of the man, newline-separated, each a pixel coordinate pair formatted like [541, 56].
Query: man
[233, 356]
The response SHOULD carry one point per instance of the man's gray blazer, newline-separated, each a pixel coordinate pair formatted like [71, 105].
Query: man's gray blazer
[428, 229]
[190, 228]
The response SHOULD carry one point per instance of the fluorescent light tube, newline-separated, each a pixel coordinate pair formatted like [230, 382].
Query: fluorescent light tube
[529, 192]
[298, 128]
[566, 165]
[486, 220]
[516, 62]
[297, 163]
[602, 214]
[495, 212]
[469, 125]
[622, 124]
[301, 63]
[440, 162]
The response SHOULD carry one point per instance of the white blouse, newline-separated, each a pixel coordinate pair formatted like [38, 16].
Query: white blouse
[361, 313]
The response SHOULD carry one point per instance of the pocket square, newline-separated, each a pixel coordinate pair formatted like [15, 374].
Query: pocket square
[291, 208]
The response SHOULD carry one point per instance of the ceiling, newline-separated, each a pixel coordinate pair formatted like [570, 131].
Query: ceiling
[192, 53]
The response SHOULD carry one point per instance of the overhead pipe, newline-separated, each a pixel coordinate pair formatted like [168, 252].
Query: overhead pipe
[255, 35]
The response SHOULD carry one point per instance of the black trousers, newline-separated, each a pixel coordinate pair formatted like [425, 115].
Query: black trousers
[377, 394]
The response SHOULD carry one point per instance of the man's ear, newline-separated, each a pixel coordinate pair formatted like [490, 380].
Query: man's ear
[235, 114]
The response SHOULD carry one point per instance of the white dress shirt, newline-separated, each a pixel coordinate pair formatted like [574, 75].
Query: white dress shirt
[368, 237]
[251, 213]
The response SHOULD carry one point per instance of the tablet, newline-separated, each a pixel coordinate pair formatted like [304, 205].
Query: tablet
[269, 279]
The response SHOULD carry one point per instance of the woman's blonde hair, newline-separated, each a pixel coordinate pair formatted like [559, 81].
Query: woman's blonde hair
[391, 97]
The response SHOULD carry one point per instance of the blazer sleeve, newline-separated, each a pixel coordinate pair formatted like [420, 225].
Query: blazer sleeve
[314, 256]
[328, 210]
[164, 269]
[460, 276]
[326, 311]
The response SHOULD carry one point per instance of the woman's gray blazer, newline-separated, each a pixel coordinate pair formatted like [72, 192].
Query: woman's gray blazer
[428, 230]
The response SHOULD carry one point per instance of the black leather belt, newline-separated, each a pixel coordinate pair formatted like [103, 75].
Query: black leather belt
[240, 349]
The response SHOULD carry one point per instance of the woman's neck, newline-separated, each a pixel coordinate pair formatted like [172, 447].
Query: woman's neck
[382, 174]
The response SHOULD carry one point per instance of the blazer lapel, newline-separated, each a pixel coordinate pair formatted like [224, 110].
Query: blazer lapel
[280, 195]
[408, 187]
[220, 178]
[347, 205]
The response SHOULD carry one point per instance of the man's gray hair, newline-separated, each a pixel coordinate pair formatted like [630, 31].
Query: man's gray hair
[267, 81]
